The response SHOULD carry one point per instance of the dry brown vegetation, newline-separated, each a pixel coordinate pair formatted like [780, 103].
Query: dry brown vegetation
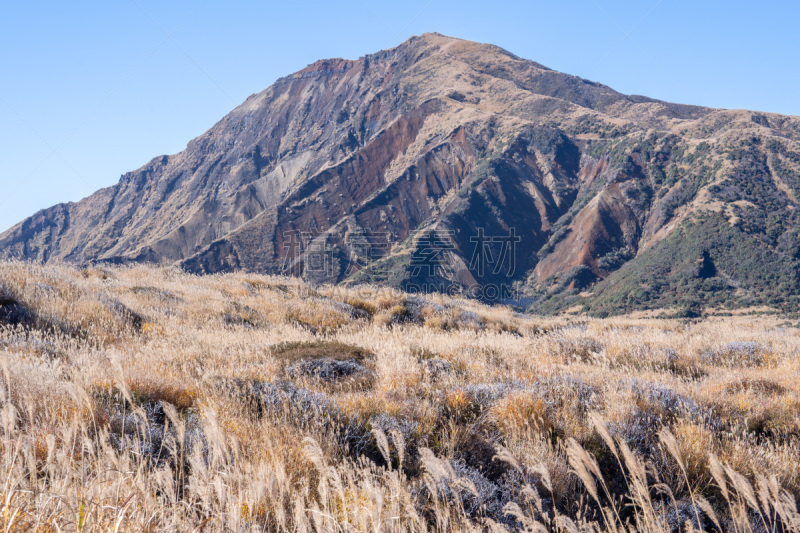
[146, 399]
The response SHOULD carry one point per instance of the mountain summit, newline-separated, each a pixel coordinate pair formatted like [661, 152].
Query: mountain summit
[446, 164]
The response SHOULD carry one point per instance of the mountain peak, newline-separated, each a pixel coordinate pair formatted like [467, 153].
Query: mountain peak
[417, 43]
[453, 45]
[433, 36]
[358, 158]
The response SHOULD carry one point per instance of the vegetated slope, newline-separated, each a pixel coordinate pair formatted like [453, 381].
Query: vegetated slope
[148, 399]
[342, 171]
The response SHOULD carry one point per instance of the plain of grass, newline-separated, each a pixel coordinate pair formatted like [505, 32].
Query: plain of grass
[188, 420]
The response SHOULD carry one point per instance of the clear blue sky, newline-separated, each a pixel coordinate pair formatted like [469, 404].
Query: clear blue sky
[90, 90]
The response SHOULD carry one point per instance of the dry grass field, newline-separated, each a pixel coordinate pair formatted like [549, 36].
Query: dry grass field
[146, 399]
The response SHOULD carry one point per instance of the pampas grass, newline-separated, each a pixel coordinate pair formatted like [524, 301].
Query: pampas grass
[146, 399]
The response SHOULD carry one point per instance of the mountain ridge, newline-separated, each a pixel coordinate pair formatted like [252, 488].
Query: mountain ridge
[444, 135]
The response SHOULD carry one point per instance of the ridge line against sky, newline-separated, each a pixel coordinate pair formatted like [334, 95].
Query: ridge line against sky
[91, 91]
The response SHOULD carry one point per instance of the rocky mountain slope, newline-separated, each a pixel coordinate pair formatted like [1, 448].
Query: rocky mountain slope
[444, 164]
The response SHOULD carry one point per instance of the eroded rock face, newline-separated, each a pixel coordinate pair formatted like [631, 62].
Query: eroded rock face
[335, 173]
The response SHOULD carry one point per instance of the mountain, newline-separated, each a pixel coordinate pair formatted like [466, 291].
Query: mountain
[446, 164]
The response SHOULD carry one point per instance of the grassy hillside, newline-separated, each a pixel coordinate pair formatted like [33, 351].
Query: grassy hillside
[706, 265]
[143, 399]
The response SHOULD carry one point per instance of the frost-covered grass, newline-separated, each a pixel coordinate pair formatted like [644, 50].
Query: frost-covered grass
[145, 399]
